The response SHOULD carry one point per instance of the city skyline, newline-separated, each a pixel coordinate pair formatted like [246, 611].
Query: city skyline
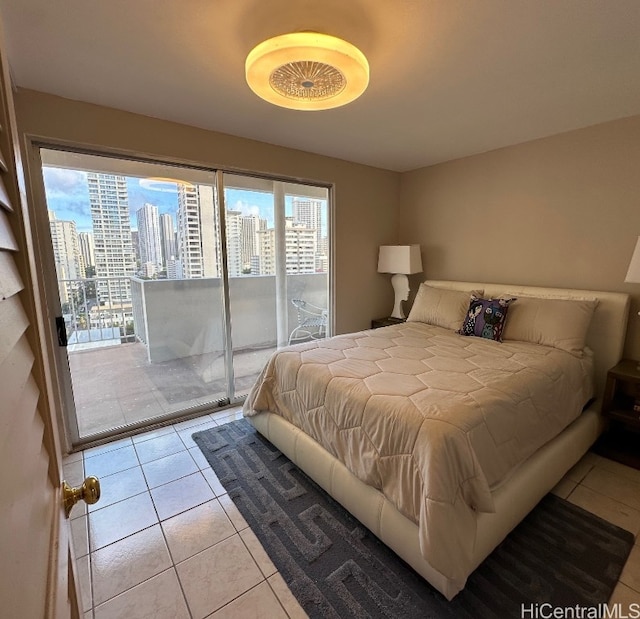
[125, 240]
[67, 193]
[99, 270]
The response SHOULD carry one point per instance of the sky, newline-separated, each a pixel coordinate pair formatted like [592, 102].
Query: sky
[68, 195]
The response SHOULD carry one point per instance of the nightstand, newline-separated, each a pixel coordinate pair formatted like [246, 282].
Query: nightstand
[376, 323]
[621, 399]
[621, 405]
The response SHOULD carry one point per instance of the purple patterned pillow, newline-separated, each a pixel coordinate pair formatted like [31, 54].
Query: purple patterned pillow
[486, 318]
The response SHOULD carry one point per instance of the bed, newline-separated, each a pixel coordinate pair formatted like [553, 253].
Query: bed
[441, 443]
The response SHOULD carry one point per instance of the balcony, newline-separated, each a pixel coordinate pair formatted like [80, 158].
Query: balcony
[163, 351]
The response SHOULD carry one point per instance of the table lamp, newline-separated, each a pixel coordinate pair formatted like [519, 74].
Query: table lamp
[401, 260]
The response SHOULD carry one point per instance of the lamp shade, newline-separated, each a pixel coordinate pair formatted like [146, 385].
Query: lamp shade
[404, 259]
[633, 274]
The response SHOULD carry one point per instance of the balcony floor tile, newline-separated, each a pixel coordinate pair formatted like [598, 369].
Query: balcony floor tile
[115, 386]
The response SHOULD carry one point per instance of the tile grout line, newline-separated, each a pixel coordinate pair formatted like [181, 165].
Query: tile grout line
[90, 546]
[174, 566]
[266, 578]
[286, 612]
[236, 598]
[216, 422]
[159, 522]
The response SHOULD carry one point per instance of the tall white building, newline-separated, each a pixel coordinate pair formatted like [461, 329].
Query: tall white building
[300, 249]
[266, 264]
[309, 212]
[243, 244]
[301, 244]
[87, 250]
[149, 269]
[174, 269]
[67, 256]
[250, 225]
[149, 238]
[197, 231]
[113, 249]
[322, 263]
[234, 243]
[167, 239]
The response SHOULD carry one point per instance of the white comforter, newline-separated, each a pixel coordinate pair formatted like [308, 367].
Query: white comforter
[433, 419]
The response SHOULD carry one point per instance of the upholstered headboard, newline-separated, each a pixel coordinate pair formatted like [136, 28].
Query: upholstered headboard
[608, 328]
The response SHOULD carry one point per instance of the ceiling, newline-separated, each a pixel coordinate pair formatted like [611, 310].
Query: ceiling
[449, 78]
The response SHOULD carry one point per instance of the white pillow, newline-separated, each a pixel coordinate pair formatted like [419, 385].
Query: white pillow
[441, 307]
[561, 323]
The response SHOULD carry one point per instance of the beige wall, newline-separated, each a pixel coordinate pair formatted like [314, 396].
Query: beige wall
[366, 198]
[560, 211]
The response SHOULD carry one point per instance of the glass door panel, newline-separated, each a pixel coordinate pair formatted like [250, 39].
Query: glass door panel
[249, 216]
[137, 267]
[277, 257]
[159, 321]
[307, 260]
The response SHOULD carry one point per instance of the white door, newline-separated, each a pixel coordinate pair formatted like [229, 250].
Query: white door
[36, 572]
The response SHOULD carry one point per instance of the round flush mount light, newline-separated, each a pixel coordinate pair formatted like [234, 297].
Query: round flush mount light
[307, 71]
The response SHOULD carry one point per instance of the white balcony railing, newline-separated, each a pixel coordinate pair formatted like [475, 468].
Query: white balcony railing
[97, 311]
[183, 318]
[177, 318]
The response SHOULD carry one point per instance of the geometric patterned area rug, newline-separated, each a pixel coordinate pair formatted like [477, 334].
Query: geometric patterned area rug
[336, 568]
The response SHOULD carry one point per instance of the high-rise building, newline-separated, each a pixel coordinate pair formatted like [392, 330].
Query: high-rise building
[266, 264]
[167, 239]
[243, 242]
[86, 250]
[67, 256]
[323, 248]
[300, 243]
[174, 269]
[149, 269]
[322, 263]
[234, 243]
[149, 238]
[135, 243]
[300, 249]
[113, 248]
[197, 231]
[250, 225]
[308, 211]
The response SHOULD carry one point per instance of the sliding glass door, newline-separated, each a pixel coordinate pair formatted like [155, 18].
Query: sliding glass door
[277, 252]
[172, 285]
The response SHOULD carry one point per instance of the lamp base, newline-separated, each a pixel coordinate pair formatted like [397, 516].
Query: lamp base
[400, 283]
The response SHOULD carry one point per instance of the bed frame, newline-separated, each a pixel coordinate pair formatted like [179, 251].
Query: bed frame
[515, 498]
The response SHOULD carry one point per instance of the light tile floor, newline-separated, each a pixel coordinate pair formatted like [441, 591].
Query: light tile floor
[165, 540]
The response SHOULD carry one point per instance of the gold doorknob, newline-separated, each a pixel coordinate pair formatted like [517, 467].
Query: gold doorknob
[89, 492]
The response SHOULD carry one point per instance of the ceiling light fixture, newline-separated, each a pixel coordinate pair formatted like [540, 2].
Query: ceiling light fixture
[307, 71]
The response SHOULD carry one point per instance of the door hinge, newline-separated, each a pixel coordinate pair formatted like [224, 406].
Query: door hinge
[61, 330]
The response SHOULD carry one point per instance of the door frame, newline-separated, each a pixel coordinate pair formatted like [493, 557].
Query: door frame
[59, 355]
[61, 386]
[55, 356]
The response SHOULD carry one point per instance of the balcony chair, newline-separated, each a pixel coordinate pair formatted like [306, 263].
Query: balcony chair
[312, 322]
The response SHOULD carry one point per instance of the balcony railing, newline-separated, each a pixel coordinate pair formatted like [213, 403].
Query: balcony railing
[181, 317]
[97, 311]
